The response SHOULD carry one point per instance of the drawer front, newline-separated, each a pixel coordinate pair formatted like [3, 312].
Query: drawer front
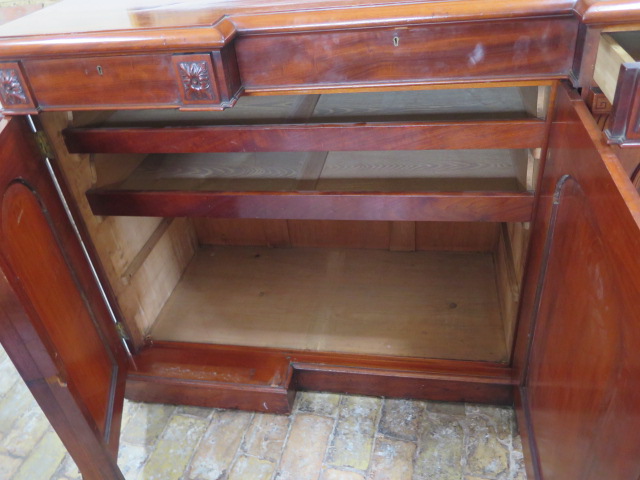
[416, 54]
[104, 81]
[133, 81]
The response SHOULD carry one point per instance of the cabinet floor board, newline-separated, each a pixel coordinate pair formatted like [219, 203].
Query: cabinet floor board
[415, 304]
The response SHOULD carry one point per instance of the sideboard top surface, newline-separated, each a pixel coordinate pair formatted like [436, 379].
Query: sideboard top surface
[79, 16]
[175, 22]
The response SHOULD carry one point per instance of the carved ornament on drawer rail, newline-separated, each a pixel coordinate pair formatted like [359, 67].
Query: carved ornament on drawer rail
[12, 91]
[196, 80]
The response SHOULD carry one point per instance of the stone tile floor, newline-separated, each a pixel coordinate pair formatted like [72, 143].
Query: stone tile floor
[328, 437]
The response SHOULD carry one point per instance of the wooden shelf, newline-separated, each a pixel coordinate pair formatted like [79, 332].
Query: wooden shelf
[482, 185]
[411, 304]
[506, 103]
[457, 135]
[411, 120]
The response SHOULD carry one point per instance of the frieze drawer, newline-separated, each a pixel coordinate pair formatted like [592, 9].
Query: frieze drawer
[185, 81]
[408, 55]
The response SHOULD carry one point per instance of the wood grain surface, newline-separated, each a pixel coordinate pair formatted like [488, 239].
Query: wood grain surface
[580, 389]
[409, 304]
[533, 48]
[55, 324]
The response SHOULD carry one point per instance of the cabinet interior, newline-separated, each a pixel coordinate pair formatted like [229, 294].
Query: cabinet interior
[614, 49]
[410, 288]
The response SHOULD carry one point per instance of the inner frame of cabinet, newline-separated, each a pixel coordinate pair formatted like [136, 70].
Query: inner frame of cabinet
[422, 289]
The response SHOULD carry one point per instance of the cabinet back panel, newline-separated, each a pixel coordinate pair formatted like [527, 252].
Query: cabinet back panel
[421, 236]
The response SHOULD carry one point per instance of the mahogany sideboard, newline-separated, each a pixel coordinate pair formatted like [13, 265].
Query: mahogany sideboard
[222, 203]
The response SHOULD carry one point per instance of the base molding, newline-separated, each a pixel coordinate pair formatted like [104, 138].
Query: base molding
[266, 380]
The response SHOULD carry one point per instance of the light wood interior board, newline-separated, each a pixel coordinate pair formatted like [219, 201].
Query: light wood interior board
[113, 168]
[402, 236]
[418, 304]
[630, 42]
[340, 234]
[510, 260]
[143, 254]
[403, 171]
[119, 241]
[518, 234]
[527, 164]
[457, 236]
[425, 105]
[611, 54]
[429, 170]
[155, 279]
[263, 110]
[242, 231]
[508, 286]
[536, 100]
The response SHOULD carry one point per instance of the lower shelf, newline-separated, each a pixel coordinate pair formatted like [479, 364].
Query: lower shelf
[436, 305]
[437, 185]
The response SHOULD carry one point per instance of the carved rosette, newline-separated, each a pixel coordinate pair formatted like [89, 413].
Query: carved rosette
[196, 81]
[12, 91]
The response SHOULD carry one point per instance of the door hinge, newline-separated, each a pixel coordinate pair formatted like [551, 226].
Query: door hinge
[43, 144]
[122, 332]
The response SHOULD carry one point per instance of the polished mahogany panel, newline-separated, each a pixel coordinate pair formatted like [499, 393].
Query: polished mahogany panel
[249, 376]
[184, 81]
[310, 137]
[195, 374]
[36, 259]
[61, 316]
[603, 12]
[104, 81]
[422, 54]
[441, 206]
[580, 394]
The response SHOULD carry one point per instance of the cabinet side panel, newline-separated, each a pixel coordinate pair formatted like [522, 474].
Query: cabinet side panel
[581, 387]
[55, 324]
[128, 248]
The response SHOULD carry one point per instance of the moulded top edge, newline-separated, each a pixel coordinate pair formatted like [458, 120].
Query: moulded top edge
[143, 24]
[609, 12]
[136, 40]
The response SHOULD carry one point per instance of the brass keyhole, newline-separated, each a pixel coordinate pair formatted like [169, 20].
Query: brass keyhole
[396, 41]
[99, 68]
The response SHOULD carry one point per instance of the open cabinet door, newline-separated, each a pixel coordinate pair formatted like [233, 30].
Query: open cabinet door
[581, 390]
[54, 323]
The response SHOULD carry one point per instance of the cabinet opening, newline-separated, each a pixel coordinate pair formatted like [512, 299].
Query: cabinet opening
[491, 103]
[435, 290]
[388, 251]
